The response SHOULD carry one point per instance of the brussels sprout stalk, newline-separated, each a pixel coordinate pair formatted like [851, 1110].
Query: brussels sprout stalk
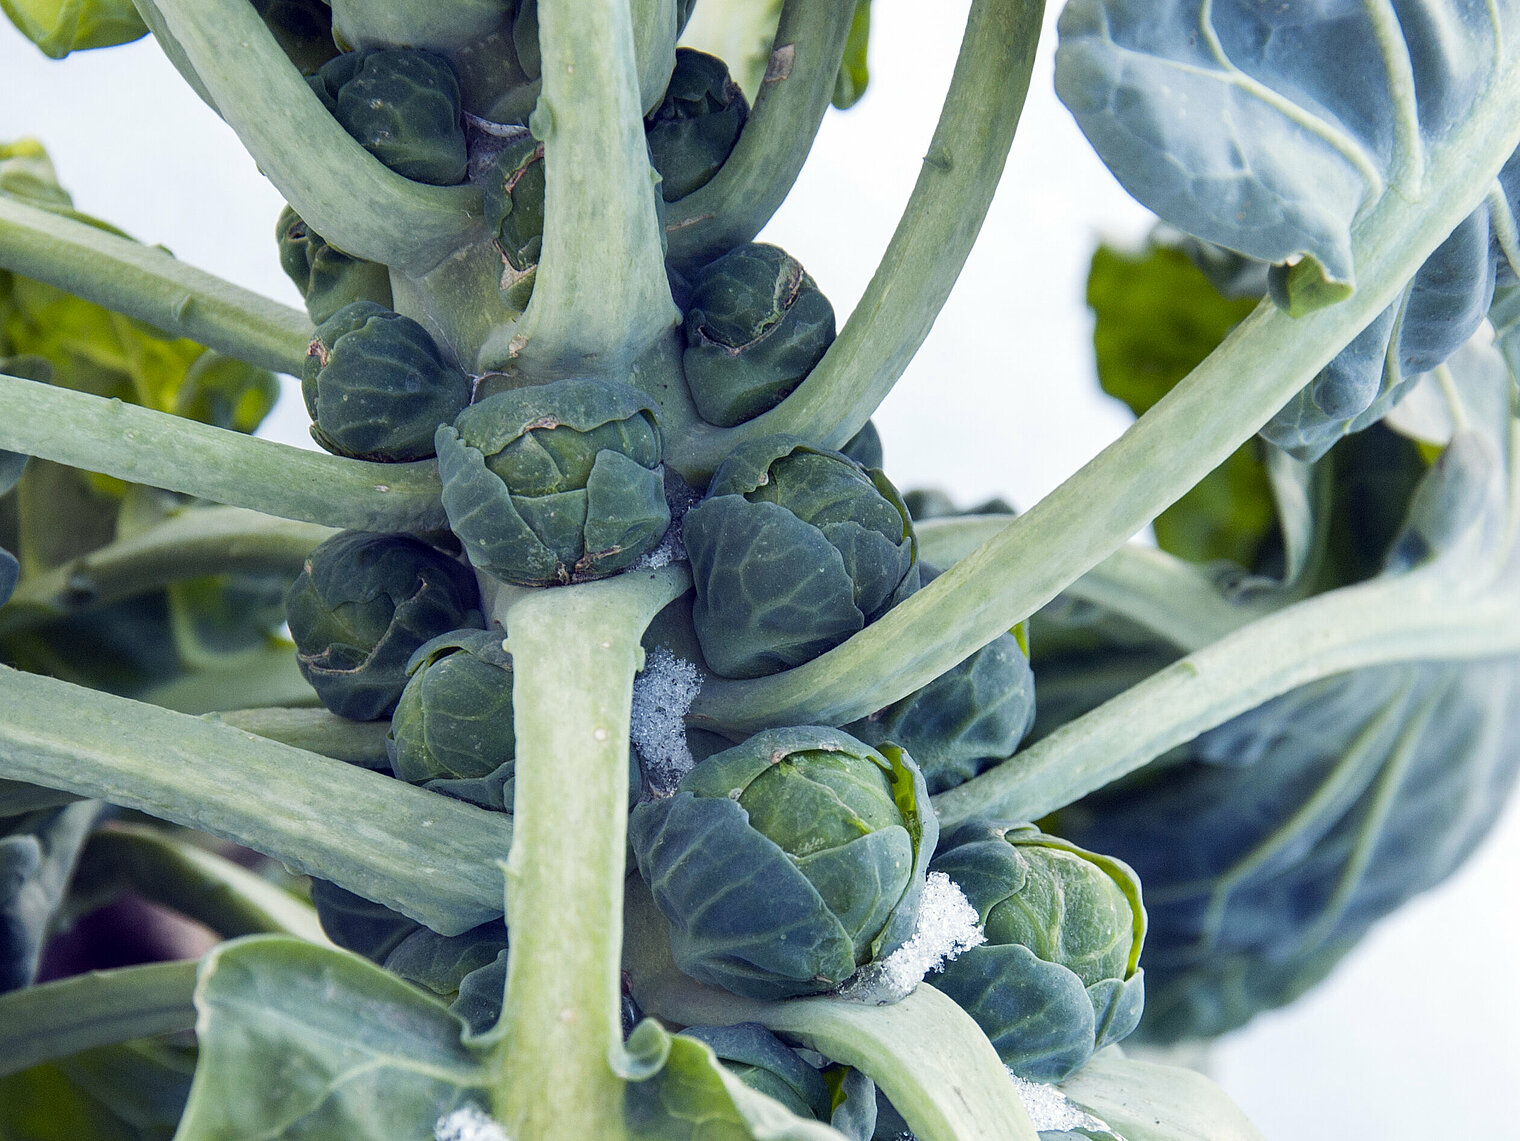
[150, 284]
[601, 297]
[575, 651]
[343, 191]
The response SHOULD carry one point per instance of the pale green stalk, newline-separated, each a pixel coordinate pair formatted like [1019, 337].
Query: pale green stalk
[574, 654]
[961, 170]
[150, 284]
[102, 1008]
[359, 743]
[1185, 603]
[1409, 618]
[600, 296]
[141, 445]
[428, 856]
[197, 883]
[194, 542]
[340, 189]
[789, 107]
[1260, 366]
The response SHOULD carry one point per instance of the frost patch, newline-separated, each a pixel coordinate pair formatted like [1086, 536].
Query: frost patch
[662, 694]
[947, 925]
[468, 1123]
[1049, 1108]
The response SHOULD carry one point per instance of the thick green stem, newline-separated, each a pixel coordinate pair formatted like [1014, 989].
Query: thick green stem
[426, 855]
[574, 654]
[199, 884]
[1414, 617]
[1259, 367]
[1183, 602]
[340, 189]
[102, 1008]
[141, 445]
[149, 283]
[359, 743]
[601, 296]
[197, 541]
[789, 107]
[938, 228]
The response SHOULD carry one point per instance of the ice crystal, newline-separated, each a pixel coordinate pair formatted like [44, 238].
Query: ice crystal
[468, 1123]
[947, 925]
[661, 696]
[1049, 1108]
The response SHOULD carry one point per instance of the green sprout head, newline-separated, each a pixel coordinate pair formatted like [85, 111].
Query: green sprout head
[695, 127]
[775, 505]
[403, 106]
[787, 862]
[360, 608]
[327, 277]
[514, 205]
[377, 387]
[1059, 976]
[964, 721]
[556, 483]
[452, 730]
[756, 324]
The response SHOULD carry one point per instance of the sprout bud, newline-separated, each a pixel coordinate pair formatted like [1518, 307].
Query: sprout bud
[377, 387]
[327, 277]
[403, 106]
[555, 483]
[787, 862]
[756, 325]
[693, 131]
[778, 504]
[1059, 976]
[362, 605]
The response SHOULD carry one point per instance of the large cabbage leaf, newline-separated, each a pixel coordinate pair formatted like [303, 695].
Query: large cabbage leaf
[1269, 845]
[1279, 131]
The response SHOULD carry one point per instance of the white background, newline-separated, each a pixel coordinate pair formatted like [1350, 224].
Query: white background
[1417, 1034]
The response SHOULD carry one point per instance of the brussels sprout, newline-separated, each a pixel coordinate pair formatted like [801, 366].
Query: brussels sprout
[1059, 975]
[377, 387]
[514, 205]
[555, 483]
[932, 503]
[403, 106]
[787, 862]
[468, 969]
[778, 505]
[362, 605]
[328, 278]
[454, 719]
[864, 447]
[965, 720]
[694, 129]
[303, 29]
[756, 324]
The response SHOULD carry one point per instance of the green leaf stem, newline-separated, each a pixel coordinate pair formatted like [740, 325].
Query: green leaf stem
[150, 284]
[144, 446]
[101, 1008]
[359, 743]
[340, 189]
[961, 170]
[1143, 1101]
[196, 882]
[196, 541]
[787, 110]
[429, 856]
[574, 654]
[601, 296]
